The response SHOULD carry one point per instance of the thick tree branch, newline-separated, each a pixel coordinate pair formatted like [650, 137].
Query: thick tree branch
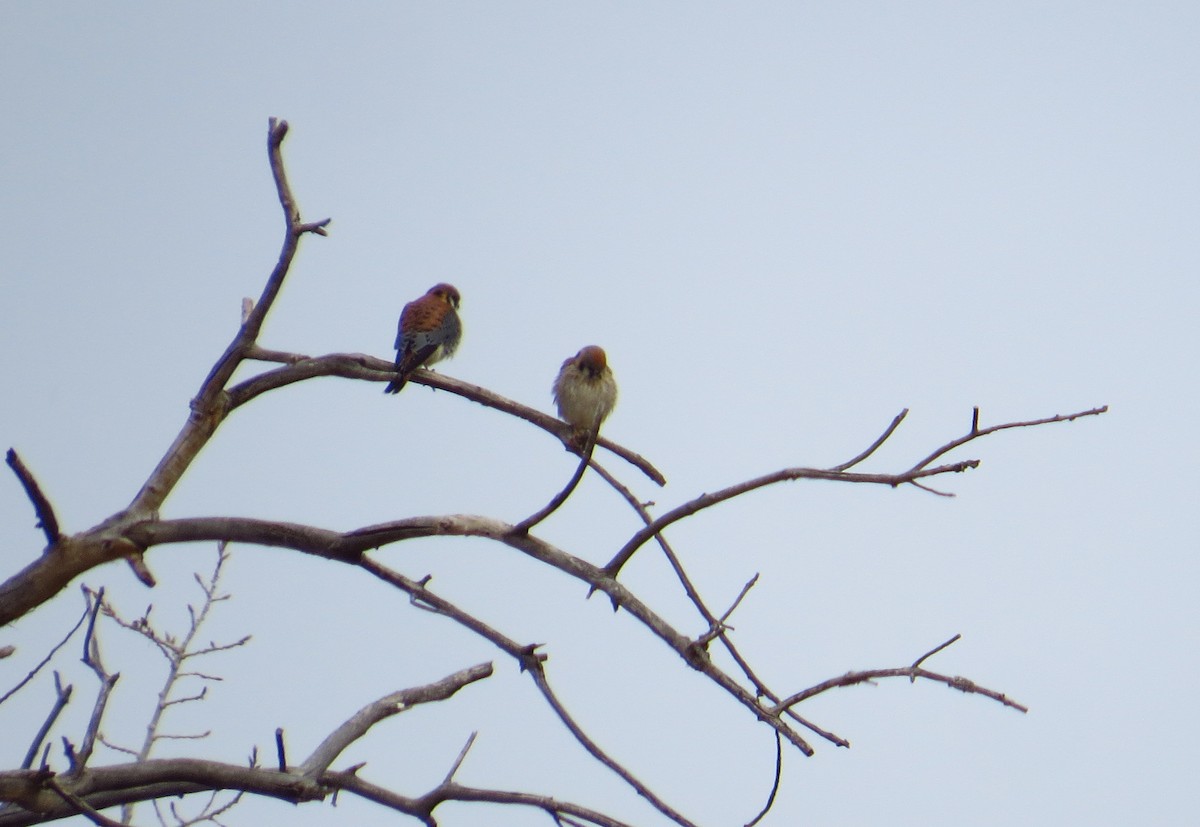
[110, 786]
[42, 795]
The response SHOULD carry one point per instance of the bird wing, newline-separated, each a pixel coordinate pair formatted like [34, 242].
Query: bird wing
[425, 324]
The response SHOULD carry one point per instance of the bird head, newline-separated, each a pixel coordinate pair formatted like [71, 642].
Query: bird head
[592, 359]
[447, 293]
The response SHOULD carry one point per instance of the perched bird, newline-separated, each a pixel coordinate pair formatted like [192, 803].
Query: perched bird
[429, 332]
[585, 391]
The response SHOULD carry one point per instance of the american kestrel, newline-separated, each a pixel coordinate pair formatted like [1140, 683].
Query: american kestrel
[429, 331]
[585, 391]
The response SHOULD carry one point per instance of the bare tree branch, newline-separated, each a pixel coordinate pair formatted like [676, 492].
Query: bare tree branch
[462, 755]
[127, 535]
[62, 697]
[976, 432]
[33, 672]
[874, 446]
[43, 795]
[91, 658]
[932, 652]
[538, 673]
[561, 497]
[47, 522]
[81, 806]
[911, 476]
[760, 688]
[774, 785]
[423, 807]
[209, 408]
[912, 672]
[372, 369]
[395, 703]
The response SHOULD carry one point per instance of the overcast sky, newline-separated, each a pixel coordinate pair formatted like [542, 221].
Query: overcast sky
[785, 222]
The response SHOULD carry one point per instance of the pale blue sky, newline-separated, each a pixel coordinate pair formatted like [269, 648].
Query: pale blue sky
[785, 222]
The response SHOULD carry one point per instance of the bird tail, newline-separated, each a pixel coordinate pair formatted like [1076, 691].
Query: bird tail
[396, 384]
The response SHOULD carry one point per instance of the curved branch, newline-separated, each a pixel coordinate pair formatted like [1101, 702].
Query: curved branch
[976, 432]
[911, 477]
[558, 499]
[874, 446]
[786, 475]
[911, 672]
[387, 706]
[373, 369]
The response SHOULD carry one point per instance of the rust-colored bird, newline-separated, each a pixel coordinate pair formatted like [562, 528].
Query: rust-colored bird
[429, 332]
[585, 391]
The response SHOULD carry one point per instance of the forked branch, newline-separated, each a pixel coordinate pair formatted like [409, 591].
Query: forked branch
[912, 476]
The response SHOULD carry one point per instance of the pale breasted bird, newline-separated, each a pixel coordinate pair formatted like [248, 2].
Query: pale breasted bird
[429, 331]
[585, 391]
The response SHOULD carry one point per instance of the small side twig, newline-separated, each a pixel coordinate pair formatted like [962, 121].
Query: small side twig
[91, 657]
[912, 672]
[47, 522]
[976, 432]
[874, 446]
[917, 663]
[280, 749]
[62, 696]
[87, 611]
[462, 754]
[774, 786]
[585, 456]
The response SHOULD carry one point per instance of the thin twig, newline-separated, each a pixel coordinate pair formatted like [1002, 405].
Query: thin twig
[976, 432]
[538, 673]
[852, 678]
[462, 754]
[558, 499]
[280, 749]
[774, 786]
[87, 610]
[911, 477]
[874, 446]
[917, 663]
[91, 658]
[47, 522]
[62, 696]
[760, 688]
